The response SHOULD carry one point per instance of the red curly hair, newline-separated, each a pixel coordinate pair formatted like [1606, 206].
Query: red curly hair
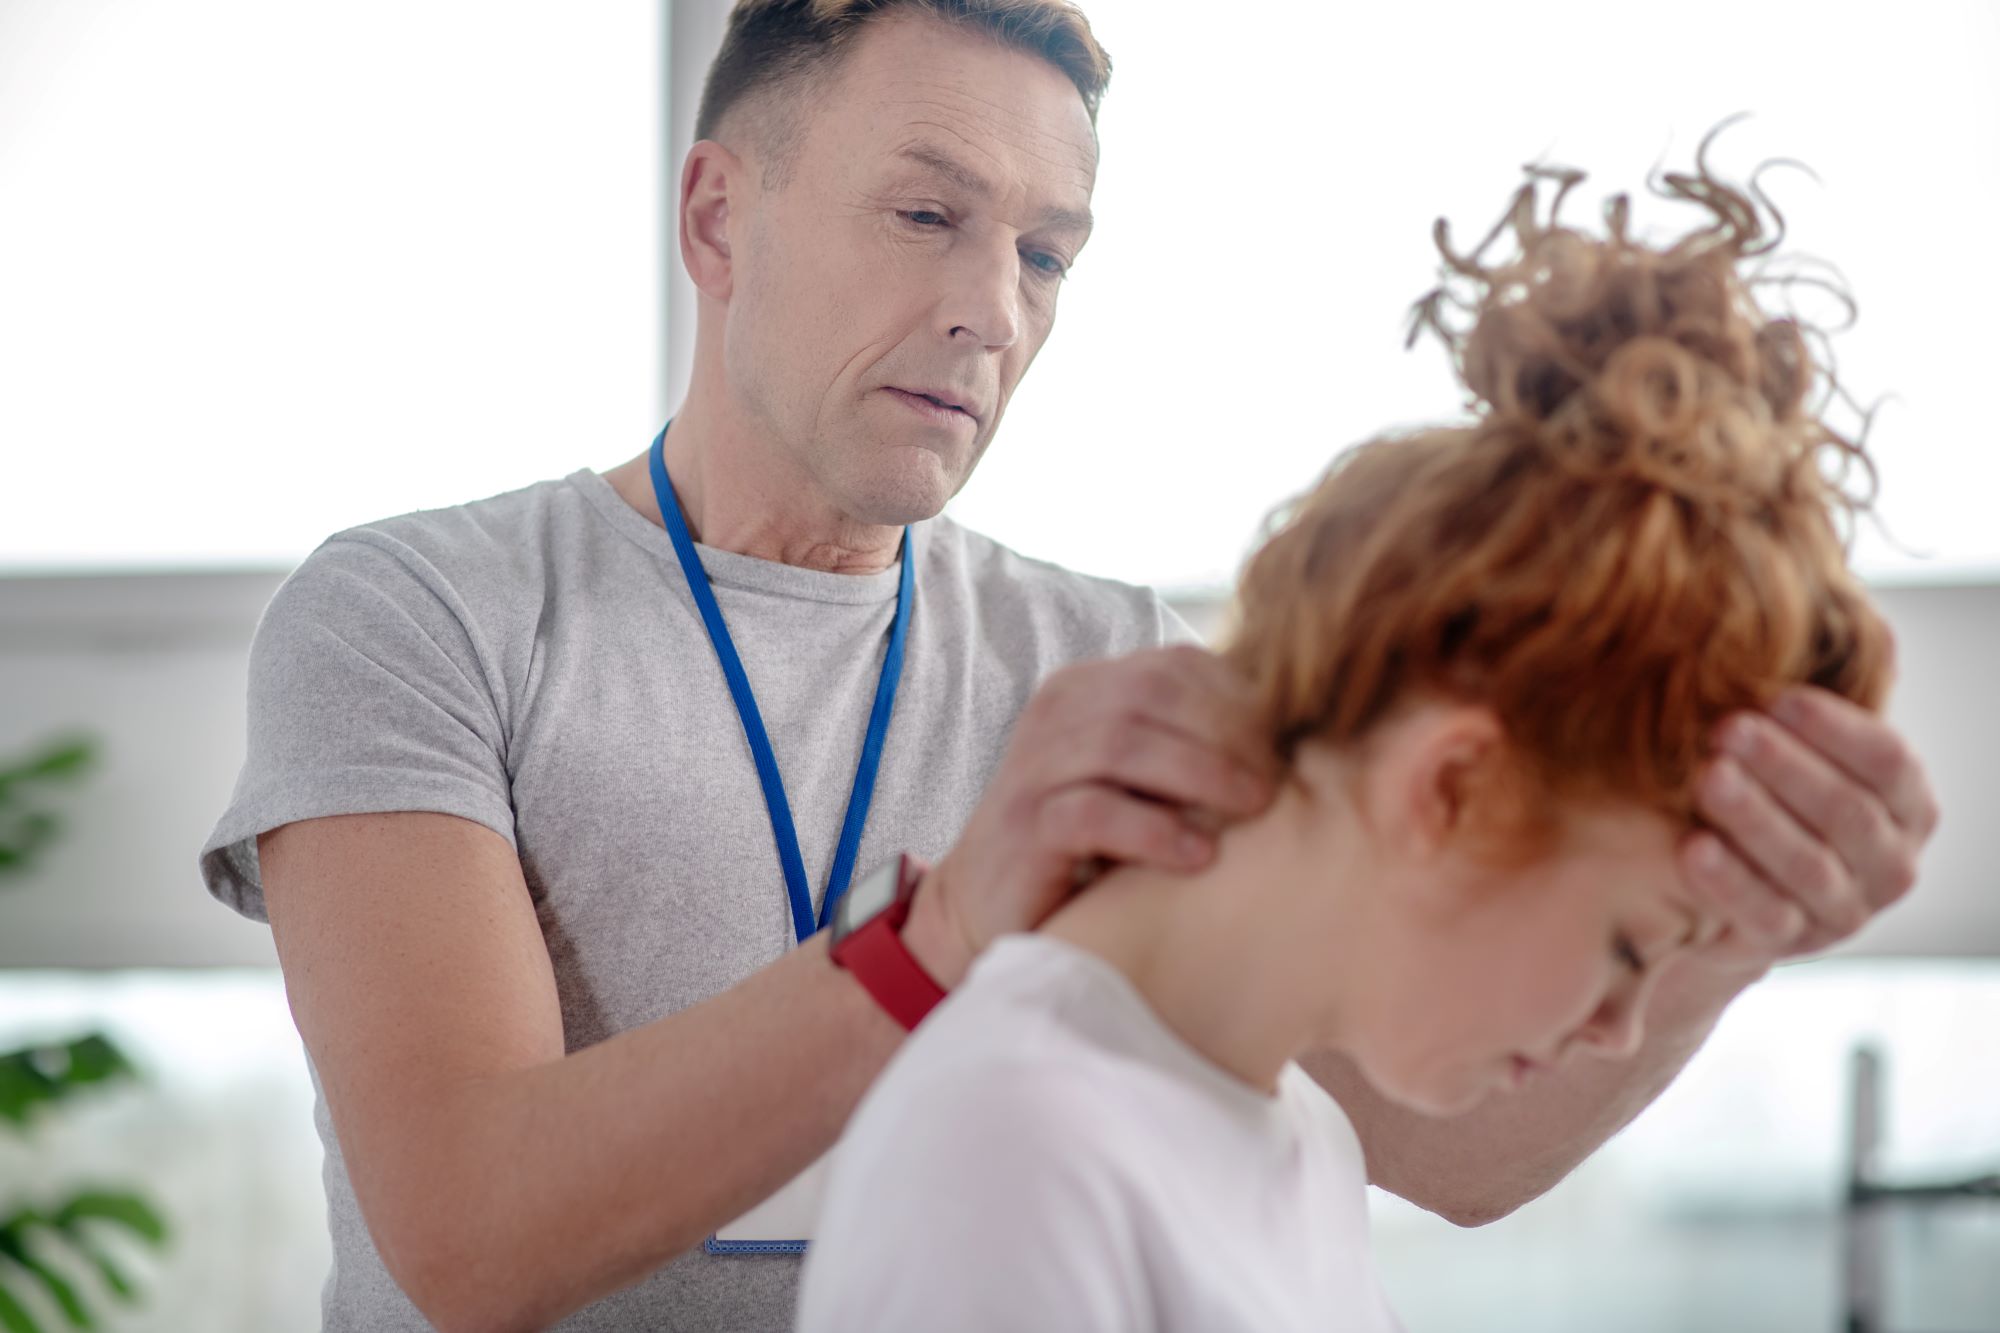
[1638, 533]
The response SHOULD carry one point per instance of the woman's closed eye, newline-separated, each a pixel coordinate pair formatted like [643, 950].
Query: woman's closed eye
[1623, 950]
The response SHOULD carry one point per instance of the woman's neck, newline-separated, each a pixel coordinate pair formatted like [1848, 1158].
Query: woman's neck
[1237, 960]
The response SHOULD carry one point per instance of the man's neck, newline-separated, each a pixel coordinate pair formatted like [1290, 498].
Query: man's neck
[738, 493]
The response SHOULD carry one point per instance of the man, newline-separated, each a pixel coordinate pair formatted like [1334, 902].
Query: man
[523, 847]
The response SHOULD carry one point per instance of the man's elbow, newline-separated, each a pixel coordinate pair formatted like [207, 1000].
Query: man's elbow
[457, 1296]
[454, 1277]
[418, 1265]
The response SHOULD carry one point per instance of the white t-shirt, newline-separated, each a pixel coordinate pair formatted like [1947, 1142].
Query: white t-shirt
[1046, 1154]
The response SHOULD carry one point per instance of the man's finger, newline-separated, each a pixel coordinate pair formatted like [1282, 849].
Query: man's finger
[1867, 747]
[1115, 750]
[1755, 910]
[1780, 849]
[1168, 767]
[1217, 708]
[1183, 690]
[1089, 820]
[1829, 802]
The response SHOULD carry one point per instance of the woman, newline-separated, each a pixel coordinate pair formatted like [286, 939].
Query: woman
[1490, 655]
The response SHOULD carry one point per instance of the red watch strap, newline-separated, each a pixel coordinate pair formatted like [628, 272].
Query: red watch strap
[877, 957]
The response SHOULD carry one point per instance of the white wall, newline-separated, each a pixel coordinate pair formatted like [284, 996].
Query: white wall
[155, 665]
[694, 33]
[271, 270]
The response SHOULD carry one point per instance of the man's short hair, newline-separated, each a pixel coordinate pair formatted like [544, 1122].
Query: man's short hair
[770, 43]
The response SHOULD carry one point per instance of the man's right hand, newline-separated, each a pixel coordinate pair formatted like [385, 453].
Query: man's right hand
[1135, 759]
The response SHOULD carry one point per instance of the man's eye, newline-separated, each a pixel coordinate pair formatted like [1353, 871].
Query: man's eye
[925, 217]
[1047, 263]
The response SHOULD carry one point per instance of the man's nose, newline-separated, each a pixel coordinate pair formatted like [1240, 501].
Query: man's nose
[985, 299]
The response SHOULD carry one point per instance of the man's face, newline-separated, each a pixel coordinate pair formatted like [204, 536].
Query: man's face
[913, 252]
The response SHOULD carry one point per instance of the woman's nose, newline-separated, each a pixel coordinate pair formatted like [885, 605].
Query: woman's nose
[1616, 1030]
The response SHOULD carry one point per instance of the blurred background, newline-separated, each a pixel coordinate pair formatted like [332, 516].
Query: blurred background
[271, 270]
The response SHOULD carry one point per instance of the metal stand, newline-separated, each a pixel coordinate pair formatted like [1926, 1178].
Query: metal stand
[1864, 1211]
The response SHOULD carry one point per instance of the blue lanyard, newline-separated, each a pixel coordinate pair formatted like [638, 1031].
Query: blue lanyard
[783, 831]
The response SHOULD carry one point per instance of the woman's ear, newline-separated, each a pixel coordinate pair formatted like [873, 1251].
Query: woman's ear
[1432, 774]
[710, 178]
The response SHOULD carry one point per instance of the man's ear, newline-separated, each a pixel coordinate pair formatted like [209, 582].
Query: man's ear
[1431, 775]
[711, 177]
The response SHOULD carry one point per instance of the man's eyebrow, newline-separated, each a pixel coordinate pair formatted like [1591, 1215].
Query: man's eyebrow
[947, 166]
[965, 178]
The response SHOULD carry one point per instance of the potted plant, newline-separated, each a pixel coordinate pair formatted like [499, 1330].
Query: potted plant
[38, 1081]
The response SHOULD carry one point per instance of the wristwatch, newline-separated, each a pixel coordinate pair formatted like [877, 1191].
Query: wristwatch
[868, 941]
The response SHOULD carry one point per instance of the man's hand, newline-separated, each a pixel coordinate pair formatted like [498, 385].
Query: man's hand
[1820, 810]
[1133, 759]
[1828, 812]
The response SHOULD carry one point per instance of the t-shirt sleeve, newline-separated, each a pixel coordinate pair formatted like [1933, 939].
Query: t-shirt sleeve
[1174, 628]
[977, 1205]
[368, 692]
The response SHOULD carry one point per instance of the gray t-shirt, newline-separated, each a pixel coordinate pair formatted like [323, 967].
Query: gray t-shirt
[533, 662]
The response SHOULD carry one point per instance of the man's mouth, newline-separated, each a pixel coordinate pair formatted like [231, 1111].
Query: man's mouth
[936, 405]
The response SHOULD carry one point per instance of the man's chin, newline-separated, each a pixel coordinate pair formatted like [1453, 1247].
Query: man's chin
[911, 493]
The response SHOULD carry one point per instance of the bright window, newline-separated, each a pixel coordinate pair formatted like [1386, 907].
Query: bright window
[1264, 215]
[267, 270]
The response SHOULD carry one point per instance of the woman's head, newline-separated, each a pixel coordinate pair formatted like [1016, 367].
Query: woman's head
[1635, 535]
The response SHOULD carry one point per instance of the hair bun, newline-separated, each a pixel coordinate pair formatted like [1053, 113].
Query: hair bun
[1632, 539]
[1623, 357]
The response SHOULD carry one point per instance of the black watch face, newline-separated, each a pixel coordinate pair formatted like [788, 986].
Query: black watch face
[867, 898]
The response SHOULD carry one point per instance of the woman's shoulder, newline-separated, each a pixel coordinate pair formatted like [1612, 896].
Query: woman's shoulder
[980, 1188]
[1005, 1061]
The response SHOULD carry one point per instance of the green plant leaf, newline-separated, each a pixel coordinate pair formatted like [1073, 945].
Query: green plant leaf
[22, 841]
[93, 1059]
[24, 830]
[13, 1227]
[70, 1225]
[66, 759]
[127, 1210]
[14, 1317]
[58, 1072]
[12, 1247]
[31, 828]
[58, 761]
[114, 1277]
[22, 1086]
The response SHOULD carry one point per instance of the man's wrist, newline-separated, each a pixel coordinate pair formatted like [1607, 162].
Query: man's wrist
[934, 937]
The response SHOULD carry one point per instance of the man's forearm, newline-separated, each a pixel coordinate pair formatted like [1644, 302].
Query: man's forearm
[553, 1186]
[1480, 1166]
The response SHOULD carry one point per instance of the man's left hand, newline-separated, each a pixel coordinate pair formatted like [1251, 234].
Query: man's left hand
[1818, 811]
